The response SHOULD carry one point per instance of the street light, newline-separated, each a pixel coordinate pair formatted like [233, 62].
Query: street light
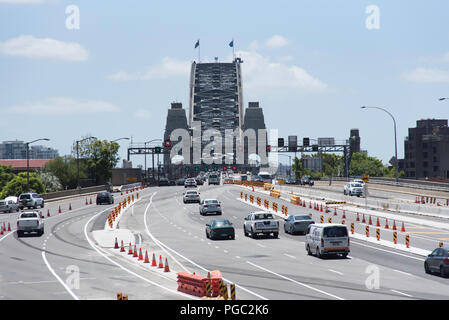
[120, 139]
[395, 140]
[289, 157]
[78, 160]
[28, 159]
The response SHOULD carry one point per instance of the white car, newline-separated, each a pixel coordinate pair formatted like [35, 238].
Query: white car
[359, 181]
[326, 239]
[30, 221]
[191, 196]
[30, 200]
[353, 189]
[210, 206]
[261, 222]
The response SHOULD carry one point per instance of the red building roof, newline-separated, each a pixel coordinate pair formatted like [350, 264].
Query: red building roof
[21, 164]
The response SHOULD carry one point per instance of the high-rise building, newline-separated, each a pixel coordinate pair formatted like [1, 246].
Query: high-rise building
[17, 150]
[426, 150]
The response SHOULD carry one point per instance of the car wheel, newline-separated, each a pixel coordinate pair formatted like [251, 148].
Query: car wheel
[442, 272]
[308, 250]
[318, 254]
[253, 235]
[426, 268]
[35, 206]
[275, 235]
[233, 237]
[42, 204]
[207, 235]
[344, 255]
[285, 229]
[19, 234]
[10, 210]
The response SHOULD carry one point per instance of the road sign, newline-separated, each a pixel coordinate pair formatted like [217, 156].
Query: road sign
[365, 178]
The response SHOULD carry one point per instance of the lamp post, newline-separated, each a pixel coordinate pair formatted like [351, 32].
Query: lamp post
[395, 140]
[125, 138]
[78, 160]
[28, 159]
[290, 159]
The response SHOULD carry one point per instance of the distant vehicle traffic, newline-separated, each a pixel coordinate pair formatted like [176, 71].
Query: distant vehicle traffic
[8, 206]
[30, 221]
[438, 261]
[199, 181]
[327, 239]
[191, 196]
[260, 222]
[210, 206]
[353, 189]
[220, 228]
[30, 200]
[265, 177]
[180, 181]
[163, 181]
[307, 180]
[190, 182]
[214, 178]
[290, 180]
[297, 223]
[105, 197]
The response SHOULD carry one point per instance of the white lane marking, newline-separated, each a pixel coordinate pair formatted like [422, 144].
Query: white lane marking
[216, 247]
[260, 245]
[392, 252]
[406, 273]
[57, 277]
[335, 271]
[294, 281]
[407, 295]
[225, 251]
[290, 256]
[238, 257]
[122, 267]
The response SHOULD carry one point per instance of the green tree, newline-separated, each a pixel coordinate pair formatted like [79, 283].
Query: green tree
[50, 181]
[65, 169]
[18, 185]
[6, 174]
[362, 164]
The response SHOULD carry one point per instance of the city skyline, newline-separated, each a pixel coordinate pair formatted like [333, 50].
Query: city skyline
[117, 74]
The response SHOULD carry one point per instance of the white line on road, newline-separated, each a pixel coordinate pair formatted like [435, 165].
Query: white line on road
[337, 272]
[392, 252]
[406, 273]
[407, 295]
[290, 256]
[294, 281]
[261, 245]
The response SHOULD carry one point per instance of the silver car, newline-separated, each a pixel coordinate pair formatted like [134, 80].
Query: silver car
[210, 206]
[297, 223]
[191, 196]
[353, 189]
[8, 206]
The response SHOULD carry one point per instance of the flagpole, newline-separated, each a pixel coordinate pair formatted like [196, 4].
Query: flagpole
[233, 54]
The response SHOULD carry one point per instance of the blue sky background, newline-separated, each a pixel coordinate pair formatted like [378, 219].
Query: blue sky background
[138, 56]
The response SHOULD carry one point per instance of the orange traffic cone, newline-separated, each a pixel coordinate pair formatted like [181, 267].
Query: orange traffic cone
[130, 250]
[394, 224]
[87, 202]
[166, 268]
[344, 215]
[48, 212]
[116, 244]
[9, 227]
[358, 218]
[403, 228]
[335, 211]
[70, 206]
[378, 222]
[146, 257]
[161, 265]
[253, 188]
[386, 225]
[310, 205]
[140, 255]
[1, 231]
[135, 255]
[363, 219]
[59, 211]
[122, 248]
[153, 263]
[370, 222]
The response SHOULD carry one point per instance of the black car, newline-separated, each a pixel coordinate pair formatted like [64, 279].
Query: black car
[438, 262]
[105, 197]
[180, 181]
[307, 180]
[163, 182]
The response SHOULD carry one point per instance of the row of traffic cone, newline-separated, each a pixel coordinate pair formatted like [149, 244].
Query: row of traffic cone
[140, 257]
[3, 228]
[378, 223]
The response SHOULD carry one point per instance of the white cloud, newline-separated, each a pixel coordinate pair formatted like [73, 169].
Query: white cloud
[261, 73]
[254, 45]
[63, 106]
[276, 41]
[426, 75]
[169, 67]
[142, 114]
[43, 48]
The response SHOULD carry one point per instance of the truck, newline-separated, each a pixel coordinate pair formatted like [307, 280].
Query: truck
[30, 221]
[261, 222]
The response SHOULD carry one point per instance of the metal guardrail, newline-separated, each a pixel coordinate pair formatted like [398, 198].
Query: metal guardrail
[73, 192]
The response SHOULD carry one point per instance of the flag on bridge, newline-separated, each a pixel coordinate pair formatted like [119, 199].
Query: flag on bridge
[197, 44]
[231, 44]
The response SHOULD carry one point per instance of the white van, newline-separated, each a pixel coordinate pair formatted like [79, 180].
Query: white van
[327, 238]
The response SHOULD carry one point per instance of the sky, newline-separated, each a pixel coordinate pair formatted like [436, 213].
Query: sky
[110, 69]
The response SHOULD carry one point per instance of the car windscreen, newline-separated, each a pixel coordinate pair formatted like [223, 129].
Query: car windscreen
[25, 196]
[103, 194]
[192, 192]
[303, 218]
[225, 223]
[28, 215]
[335, 232]
[356, 185]
[263, 216]
[211, 201]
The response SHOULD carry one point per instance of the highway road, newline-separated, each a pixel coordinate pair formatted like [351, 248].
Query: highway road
[68, 263]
